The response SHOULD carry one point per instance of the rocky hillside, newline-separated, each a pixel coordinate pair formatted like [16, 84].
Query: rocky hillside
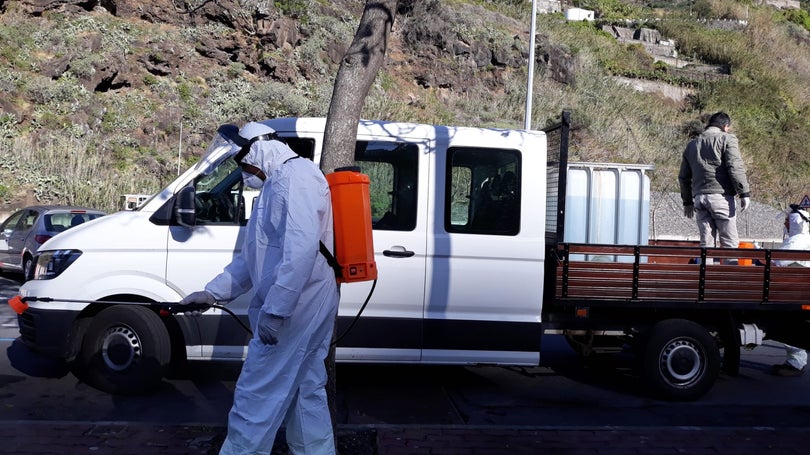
[134, 81]
[103, 98]
[121, 48]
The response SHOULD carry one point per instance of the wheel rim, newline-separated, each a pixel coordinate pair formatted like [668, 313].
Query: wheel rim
[121, 348]
[682, 362]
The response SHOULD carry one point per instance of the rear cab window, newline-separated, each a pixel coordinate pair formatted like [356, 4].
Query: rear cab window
[482, 192]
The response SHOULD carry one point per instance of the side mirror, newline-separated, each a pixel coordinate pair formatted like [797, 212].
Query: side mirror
[184, 207]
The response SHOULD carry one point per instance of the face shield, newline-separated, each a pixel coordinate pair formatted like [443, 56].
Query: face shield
[225, 144]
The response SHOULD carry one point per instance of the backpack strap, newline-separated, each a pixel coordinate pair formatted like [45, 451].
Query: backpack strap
[330, 258]
[332, 261]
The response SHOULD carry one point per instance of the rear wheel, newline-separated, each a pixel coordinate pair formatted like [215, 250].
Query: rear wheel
[126, 350]
[681, 360]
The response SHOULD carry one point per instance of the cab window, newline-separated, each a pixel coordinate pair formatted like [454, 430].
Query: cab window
[392, 170]
[482, 192]
[220, 196]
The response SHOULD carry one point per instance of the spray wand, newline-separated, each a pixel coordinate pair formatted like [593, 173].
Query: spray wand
[19, 305]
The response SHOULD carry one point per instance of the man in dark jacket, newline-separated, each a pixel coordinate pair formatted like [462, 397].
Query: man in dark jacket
[712, 173]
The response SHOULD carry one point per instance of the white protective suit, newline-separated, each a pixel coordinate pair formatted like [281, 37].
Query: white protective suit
[280, 262]
[798, 232]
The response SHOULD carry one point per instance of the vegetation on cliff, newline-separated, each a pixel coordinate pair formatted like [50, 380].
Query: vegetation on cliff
[99, 99]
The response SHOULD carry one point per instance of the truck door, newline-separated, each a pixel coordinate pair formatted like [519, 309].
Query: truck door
[391, 324]
[197, 255]
[485, 257]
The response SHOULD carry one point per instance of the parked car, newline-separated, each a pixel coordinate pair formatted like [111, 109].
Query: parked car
[22, 233]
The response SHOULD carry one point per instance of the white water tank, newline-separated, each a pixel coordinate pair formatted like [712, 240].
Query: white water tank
[607, 203]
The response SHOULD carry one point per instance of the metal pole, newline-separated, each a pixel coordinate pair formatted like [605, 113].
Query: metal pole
[180, 148]
[527, 123]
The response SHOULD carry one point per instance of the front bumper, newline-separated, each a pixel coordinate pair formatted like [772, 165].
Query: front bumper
[47, 332]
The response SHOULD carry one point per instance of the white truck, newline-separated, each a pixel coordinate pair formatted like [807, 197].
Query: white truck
[472, 269]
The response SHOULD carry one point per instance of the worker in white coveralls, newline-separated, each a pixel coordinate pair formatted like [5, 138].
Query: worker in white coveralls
[294, 303]
[797, 230]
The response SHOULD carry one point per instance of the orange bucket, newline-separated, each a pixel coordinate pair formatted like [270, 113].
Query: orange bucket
[351, 212]
[746, 261]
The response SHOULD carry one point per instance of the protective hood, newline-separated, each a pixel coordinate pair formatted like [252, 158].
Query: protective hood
[268, 155]
[798, 222]
[255, 129]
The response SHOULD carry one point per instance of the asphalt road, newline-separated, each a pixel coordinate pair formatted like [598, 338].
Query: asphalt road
[562, 394]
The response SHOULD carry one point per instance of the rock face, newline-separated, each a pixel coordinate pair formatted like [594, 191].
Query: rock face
[260, 28]
[132, 77]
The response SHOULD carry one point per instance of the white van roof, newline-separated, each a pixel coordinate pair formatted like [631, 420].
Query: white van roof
[386, 128]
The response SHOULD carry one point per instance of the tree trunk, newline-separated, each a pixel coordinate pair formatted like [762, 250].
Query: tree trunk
[357, 72]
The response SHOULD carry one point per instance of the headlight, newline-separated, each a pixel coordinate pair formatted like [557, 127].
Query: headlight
[50, 264]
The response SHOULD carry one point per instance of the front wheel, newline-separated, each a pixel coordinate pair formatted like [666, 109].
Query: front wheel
[126, 350]
[681, 360]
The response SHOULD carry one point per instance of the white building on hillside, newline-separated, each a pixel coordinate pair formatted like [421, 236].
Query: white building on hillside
[579, 14]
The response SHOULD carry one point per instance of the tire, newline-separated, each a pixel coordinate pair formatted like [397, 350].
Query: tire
[681, 360]
[126, 351]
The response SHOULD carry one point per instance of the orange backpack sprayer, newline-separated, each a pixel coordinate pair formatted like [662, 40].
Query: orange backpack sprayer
[351, 213]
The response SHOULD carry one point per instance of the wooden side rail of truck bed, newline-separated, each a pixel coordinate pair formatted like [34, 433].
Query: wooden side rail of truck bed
[707, 276]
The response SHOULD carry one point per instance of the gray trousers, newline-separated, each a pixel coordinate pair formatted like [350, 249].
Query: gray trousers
[716, 217]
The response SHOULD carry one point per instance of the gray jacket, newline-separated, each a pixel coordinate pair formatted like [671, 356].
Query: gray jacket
[712, 164]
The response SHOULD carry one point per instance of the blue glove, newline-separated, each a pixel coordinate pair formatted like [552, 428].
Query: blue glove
[200, 297]
[197, 298]
[269, 326]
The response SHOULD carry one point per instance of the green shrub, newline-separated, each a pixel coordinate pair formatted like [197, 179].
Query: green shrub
[799, 17]
[150, 80]
[8, 125]
[611, 10]
[185, 91]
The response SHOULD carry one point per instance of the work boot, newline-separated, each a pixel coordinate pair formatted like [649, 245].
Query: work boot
[786, 370]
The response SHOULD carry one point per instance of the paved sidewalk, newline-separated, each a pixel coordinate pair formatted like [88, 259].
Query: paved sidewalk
[40, 438]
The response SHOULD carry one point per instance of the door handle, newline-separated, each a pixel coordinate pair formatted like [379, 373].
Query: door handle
[398, 252]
